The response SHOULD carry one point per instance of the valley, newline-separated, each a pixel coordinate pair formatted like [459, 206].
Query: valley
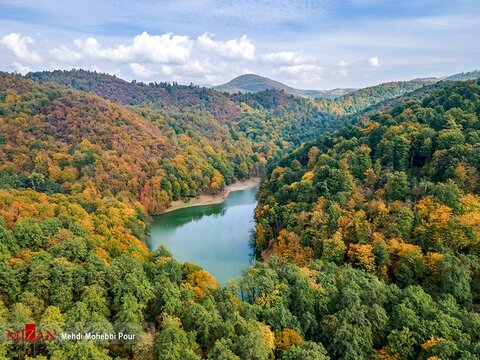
[125, 207]
[216, 236]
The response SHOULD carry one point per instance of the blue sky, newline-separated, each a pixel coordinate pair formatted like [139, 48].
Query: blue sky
[307, 44]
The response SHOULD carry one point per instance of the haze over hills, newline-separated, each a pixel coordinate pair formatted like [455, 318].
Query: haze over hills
[254, 83]
[464, 76]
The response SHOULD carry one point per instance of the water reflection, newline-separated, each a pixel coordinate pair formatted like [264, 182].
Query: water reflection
[197, 213]
[215, 237]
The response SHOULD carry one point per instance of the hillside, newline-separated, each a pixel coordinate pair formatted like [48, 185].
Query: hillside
[60, 140]
[160, 96]
[413, 150]
[369, 222]
[398, 198]
[168, 99]
[251, 83]
[147, 152]
[471, 75]
[362, 99]
[174, 101]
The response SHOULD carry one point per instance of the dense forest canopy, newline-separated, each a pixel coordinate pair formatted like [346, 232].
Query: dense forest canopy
[77, 141]
[367, 224]
[396, 197]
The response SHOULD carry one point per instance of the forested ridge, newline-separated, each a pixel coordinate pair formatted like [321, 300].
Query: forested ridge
[362, 99]
[369, 235]
[157, 152]
[162, 96]
[396, 199]
[59, 140]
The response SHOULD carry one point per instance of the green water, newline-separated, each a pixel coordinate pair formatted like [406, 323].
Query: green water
[215, 237]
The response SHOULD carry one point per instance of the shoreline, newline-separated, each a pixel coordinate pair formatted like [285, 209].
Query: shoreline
[205, 199]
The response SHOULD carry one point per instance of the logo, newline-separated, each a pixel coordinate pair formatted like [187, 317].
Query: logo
[31, 334]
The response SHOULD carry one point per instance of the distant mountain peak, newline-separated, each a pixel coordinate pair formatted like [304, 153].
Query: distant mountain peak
[252, 83]
[463, 76]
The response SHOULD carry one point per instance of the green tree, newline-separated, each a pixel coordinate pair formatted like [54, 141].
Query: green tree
[38, 280]
[455, 279]
[307, 350]
[397, 187]
[359, 161]
[173, 343]
[8, 244]
[334, 249]
[29, 234]
[402, 343]
[404, 222]
[82, 350]
[204, 322]
[251, 344]
[61, 293]
[222, 351]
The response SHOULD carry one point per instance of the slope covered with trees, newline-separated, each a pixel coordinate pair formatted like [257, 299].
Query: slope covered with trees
[396, 197]
[57, 140]
[362, 99]
[371, 234]
[77, 265]
[269, 117]
[272, 117]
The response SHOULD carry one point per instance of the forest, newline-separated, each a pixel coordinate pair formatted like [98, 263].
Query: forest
[395, 196]
[366, 229]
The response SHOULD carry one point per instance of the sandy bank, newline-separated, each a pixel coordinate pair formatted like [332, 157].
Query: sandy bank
[214, 199]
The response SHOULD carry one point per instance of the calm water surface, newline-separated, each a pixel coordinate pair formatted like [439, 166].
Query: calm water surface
[215, 237]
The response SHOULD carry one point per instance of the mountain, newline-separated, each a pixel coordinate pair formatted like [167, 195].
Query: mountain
[396, 197]
[77, 141]
[186, 140]
[463, 76]
[471, 75]
[251, 83]
[160, 96]
[371, 229]
[362, 99]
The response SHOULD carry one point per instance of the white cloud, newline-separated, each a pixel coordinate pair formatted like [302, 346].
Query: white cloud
[340, 72]
[373, 62]
[142, 71]
[301, 69]
[20, 68]
[200, 68]
[167, 70]
[194, 68]
[64, 54]
[165, 48]
[284, 57]
[239, 49]
[18, 45]
[342, 63]
[301, 74]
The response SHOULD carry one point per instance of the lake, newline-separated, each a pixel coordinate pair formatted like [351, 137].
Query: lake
[215, 237]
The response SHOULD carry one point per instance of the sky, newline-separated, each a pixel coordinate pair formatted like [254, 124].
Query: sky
[307, 44]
